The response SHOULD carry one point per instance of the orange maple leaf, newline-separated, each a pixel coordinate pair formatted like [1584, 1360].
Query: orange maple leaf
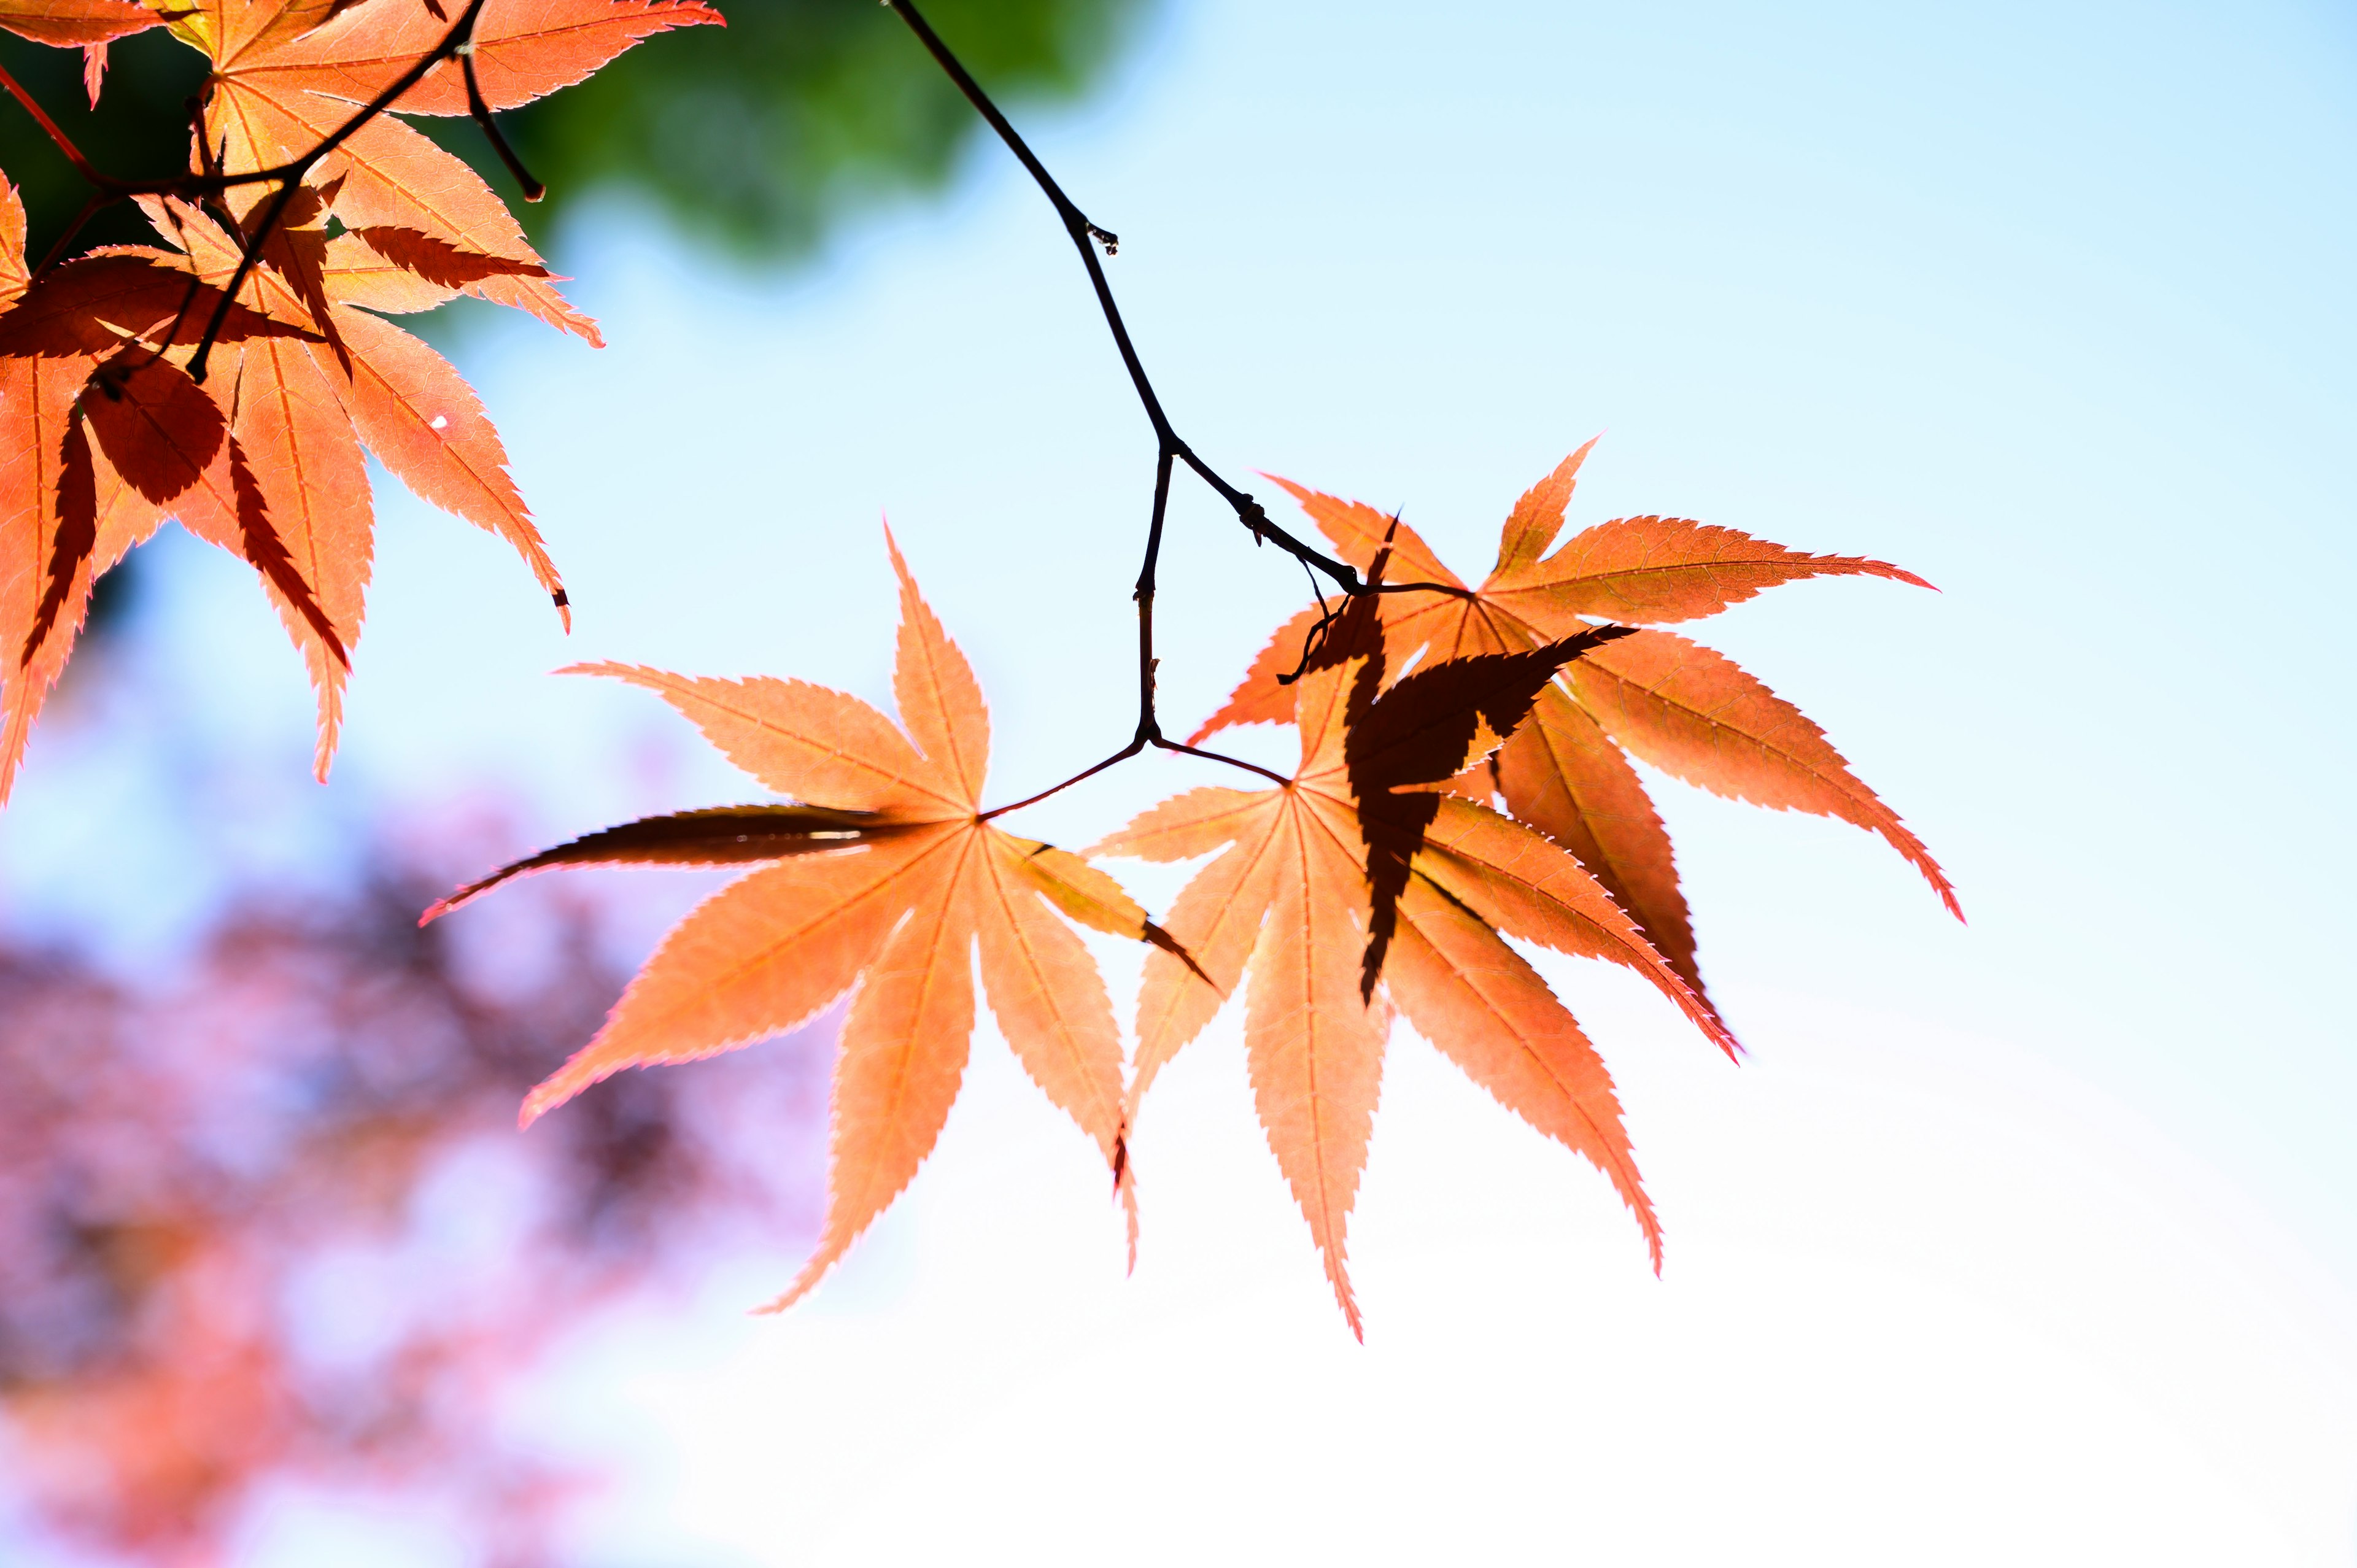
[101, 436]
[306, 409]
[15, 276]
[1358, 884]
[75, 23]
[1688, 711]
[267, 460]
[888, 883]
[90, 24]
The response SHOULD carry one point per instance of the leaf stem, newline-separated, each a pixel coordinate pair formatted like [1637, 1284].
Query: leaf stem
[533, 189]
[1123, 755]
[1271, 775]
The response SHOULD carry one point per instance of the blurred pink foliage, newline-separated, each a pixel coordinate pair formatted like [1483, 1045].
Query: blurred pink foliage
[270, 1219]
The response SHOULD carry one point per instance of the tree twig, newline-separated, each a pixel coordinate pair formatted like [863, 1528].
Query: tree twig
[1170, 447]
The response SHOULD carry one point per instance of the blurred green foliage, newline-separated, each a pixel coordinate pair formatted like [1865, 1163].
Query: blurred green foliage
[756, 135]
[753, 137]
[141, 129]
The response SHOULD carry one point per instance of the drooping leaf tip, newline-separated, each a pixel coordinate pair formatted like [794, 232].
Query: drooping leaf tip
[468, 894]
[1157, 937]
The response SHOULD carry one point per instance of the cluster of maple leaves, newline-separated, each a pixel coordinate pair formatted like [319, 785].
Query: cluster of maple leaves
[107, 433]
[1464, 778]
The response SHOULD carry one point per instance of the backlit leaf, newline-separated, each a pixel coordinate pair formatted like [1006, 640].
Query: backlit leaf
[1343, 893]
[75, 22]
[265, 458]
[882, 880]
[1563, 771]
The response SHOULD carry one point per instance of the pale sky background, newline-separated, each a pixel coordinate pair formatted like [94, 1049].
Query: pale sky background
[2032, 1240]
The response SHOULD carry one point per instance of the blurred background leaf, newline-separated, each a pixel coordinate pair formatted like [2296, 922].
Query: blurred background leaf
[266, 1223]
[759, 134]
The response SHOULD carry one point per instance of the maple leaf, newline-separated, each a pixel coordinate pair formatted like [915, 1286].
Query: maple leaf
[268, 461]
[101, 432]
[14, 279]
[886, 880]
[306, 409]
[288, 74]
[1688, 711]
[1357, 886]
[75, 23]
[90, 24]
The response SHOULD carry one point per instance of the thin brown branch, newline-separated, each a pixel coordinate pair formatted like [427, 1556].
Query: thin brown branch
[1085, 236]
[1170, 447]
[246, 260]
[1149, 727]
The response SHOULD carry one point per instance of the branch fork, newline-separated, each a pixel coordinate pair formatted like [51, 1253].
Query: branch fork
[1171, 448]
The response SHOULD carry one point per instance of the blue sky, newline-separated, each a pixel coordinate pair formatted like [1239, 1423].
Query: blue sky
[2049, 304]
